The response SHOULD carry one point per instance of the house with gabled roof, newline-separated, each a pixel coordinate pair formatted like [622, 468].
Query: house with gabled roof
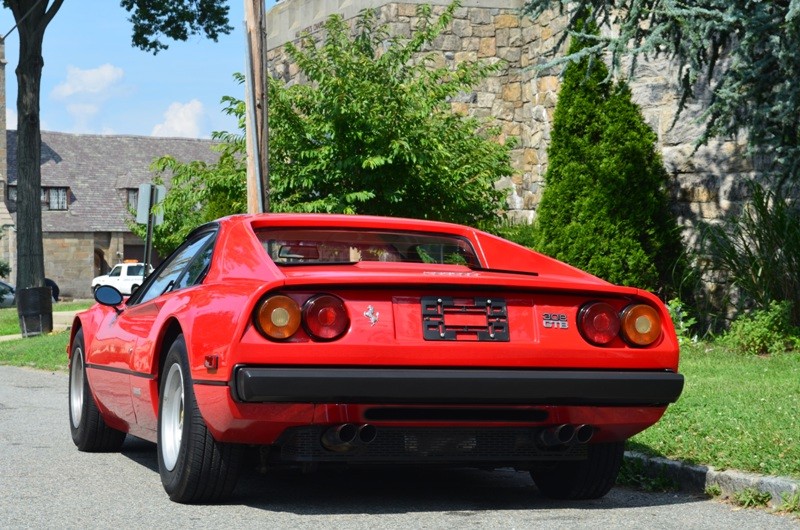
[89, 187]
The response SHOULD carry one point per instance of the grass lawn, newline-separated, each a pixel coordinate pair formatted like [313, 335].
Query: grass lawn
[9, 321]
[46, 352]
[736, 412]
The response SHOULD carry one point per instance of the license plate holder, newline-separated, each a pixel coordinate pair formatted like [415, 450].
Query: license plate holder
[445, 318]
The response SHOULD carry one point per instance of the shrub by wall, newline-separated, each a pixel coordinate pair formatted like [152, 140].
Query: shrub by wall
[605, 207]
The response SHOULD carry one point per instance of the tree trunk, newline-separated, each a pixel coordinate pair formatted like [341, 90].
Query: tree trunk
[32, 17]
[30, 254]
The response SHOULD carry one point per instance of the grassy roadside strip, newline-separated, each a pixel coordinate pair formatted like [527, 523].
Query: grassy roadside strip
[736, 412]
[45, 352]
[9, 321]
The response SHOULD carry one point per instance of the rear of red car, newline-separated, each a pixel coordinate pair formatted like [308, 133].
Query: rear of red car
[432, 343]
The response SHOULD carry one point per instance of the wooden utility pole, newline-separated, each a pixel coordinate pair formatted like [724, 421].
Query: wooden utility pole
[257, 126]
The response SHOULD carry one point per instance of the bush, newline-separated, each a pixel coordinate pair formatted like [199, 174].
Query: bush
[683, 321]
[759, 251]
[605, 207]
[764, 331]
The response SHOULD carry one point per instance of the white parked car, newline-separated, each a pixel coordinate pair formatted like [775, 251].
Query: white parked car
[126, 277]
[6, 295]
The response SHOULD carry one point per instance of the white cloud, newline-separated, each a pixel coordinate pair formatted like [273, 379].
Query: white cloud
[181, 120]
[93, 81]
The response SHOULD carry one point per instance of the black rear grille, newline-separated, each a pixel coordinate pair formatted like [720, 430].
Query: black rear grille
[455, 414]
[431, 445]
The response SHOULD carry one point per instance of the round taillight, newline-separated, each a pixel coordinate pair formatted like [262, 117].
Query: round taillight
[325, 317]
[598, 322]
[278, 317]
[641, 325]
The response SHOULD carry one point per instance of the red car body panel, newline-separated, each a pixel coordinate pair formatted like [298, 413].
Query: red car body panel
[124, 346]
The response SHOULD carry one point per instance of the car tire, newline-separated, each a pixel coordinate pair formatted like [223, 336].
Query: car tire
[585, 479]
[194, 467]
[89, 431]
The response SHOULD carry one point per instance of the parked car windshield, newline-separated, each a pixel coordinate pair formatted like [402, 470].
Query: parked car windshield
[302, 246]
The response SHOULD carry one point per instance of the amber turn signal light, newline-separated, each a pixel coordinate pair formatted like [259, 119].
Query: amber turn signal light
[641, 325]
[278, 317]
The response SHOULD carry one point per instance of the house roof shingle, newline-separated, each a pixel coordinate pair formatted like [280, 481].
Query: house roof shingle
[96, 169]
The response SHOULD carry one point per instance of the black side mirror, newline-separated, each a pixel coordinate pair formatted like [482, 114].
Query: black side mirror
[108, 295]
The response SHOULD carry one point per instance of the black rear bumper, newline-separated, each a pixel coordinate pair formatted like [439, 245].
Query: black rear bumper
[258, 384]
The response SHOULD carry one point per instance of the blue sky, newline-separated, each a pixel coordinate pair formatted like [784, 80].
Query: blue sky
[95, 82]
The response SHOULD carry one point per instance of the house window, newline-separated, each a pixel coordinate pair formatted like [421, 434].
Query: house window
[133, 199]
[54, 198]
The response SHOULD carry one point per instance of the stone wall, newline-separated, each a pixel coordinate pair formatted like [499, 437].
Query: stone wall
[69, 258]
[704, 184]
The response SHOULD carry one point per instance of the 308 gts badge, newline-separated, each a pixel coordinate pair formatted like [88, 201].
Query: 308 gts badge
[555, 320]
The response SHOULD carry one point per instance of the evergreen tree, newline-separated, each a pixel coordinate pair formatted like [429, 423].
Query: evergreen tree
[605, 208]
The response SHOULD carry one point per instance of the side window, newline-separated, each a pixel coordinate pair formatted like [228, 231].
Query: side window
[115, 272]
[197, 269]
[167, 276]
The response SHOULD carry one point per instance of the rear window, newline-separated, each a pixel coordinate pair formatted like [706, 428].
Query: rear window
[302, 246]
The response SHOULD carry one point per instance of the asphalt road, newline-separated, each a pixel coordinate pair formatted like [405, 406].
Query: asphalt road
[46, 483]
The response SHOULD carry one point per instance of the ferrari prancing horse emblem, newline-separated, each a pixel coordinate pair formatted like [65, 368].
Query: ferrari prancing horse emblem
[372, 315]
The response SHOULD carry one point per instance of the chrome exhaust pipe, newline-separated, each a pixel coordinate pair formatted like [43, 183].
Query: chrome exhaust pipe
[367, 434]
[584, 433]
[340, 438]
[557, 435]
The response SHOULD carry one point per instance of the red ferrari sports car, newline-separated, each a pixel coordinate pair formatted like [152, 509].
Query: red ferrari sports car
[367, 340]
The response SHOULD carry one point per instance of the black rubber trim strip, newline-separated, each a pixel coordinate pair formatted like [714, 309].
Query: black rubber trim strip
[454, 386]
[210, 382]
[120, 371]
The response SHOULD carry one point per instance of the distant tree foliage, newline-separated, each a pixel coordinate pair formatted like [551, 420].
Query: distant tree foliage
[154, 20]
[746, 49]
[604, 207]
[370, 131]
[198, 193]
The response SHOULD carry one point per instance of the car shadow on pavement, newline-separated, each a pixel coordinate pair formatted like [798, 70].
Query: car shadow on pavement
[387, 490]
[140, 451]
[390, 490]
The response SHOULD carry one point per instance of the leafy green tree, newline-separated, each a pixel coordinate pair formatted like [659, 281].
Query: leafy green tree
[371, 131]
[605, 208]
[152, 20]
[744, 51]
